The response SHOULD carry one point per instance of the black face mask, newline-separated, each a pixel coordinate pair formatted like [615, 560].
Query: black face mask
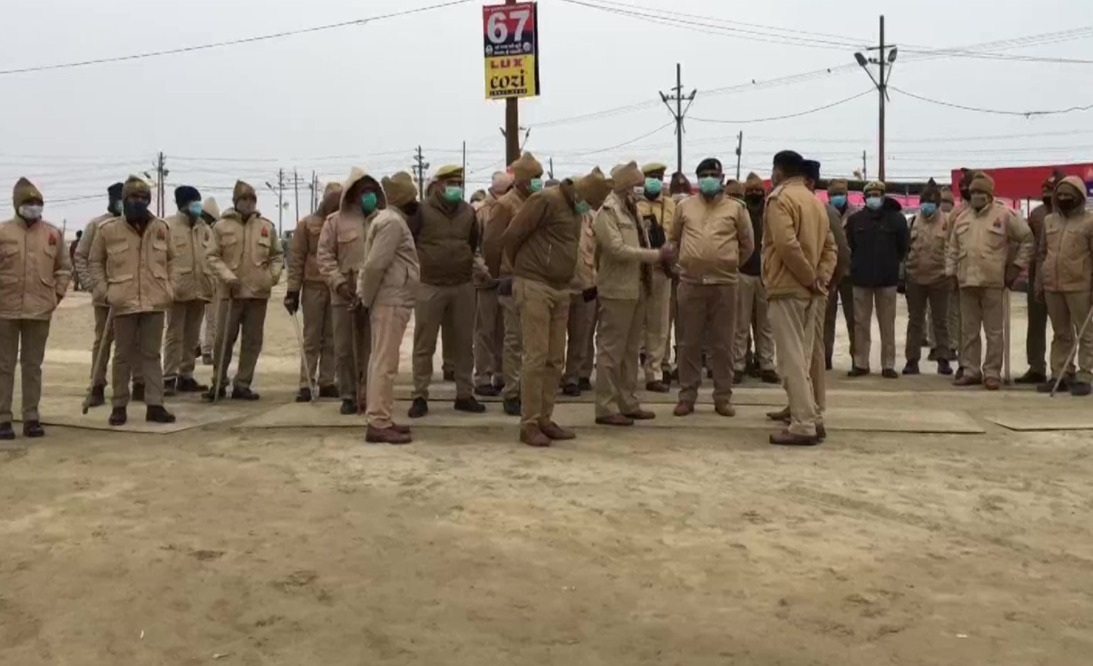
[1047, 200]
[754, 199]
[136, 211]
[1068, 205]
[410, 208]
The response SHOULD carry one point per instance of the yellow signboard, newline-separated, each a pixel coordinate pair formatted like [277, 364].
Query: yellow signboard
[510, 76]
[511, 49]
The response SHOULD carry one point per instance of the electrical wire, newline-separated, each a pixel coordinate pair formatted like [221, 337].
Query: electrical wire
[790, 115]
[1025, 114]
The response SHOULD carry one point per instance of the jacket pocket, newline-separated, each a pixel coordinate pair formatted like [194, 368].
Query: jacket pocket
[47, 260]
[228, 246]
[159, 258]
[261, 257]
[117, 262]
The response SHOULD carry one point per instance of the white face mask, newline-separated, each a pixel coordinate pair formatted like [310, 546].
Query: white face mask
[30, 212]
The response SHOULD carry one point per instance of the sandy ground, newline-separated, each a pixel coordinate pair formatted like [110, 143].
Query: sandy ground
[643, 546]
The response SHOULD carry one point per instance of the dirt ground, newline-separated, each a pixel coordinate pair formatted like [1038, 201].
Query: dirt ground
[641, 546]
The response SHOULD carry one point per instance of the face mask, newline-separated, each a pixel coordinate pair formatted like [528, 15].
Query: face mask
[453, 193]
[583, 207]
[709, 185]
[30, 212]
[245, 208]
[653, 186]
[194, 209]
[928, 208]
[838, 201]
[536, 184]
[946, 206]
[369, 201]
[980, 200]
[874, 203]
[137, 211]
[1067, 205]
[116, 207]
[753, 199]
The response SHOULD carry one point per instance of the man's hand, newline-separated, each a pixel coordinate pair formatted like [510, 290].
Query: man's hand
[667, 253]
[355, 304]
[818, 287]
[344, 292]
[292, 302]
[590, 294]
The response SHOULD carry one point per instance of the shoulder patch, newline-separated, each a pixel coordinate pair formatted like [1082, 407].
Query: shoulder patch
[265, 231]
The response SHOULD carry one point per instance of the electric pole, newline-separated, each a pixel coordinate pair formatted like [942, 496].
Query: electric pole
[161, 175]
[739, 151]
[420, 165]
[550, 168]
[864, 166]
[314, 190]
[679, 112]
[885, 59]
[296, 185]
[464, 170]
[280, 192]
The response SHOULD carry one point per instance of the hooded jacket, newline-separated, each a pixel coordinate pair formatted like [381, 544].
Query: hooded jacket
[798, 246]
[134, 270]
[544, 237]
[754, 265]
[341, 247]
[929, 243]
[447, 239]
[390, 274]
[621, 249]
[34, 267]
[194, 281]
[713, 237]
[247, 250]
[83, 251]
[878, 241]
[303, 264]
[1066, 252]
[985, 243]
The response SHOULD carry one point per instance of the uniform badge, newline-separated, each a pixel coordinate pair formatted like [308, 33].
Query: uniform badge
[53, 240]
[265, 232]
[160, 235]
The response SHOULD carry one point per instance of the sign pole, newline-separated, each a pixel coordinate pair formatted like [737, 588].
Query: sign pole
[511, 59]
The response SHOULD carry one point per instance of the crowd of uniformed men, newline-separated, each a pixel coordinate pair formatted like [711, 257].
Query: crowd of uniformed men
[534, 289]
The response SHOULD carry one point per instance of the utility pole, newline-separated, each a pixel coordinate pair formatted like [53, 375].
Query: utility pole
[420, 165]
[161, 175]
[739, 151]
[679, 112]
[464, 171]
[280, 192]
[864, 167]
[550, 168]
[296, 184]
[885, 59]
[314, 191]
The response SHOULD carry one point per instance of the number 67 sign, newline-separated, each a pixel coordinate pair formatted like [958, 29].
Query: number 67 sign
[511, 50]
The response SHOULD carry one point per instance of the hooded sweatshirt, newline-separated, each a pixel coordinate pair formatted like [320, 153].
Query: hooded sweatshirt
[34, 268]
[247, 250]
[83, 251]
[303, 264]
[341, 248]
[1066, 253]
[878, 241]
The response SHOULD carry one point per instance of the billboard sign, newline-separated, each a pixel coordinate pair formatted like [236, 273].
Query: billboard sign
[511, 49]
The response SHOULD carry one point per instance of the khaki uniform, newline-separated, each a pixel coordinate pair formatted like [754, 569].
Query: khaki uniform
[193, 291]
[841, 291]
[798, 248]
[135, 272]
[656, 336]
[387, 285]
[304, 277]
[956, 335]
[926, 285]
[499, 217]
[1065, 255]
[985, 246]
[447, 240]
[623, 280]
[489, 322]
[34, 275]
[1036, 339]
[247, 250]
[714, 238]
[580, 348]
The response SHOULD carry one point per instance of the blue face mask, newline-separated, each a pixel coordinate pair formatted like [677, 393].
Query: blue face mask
[536, 184]
[194, 209]
[453, 193]
[838, 200]
[653, 186]
[928, 208]
[709, 185]
[874, 203]
[369, 201]
[583, 207]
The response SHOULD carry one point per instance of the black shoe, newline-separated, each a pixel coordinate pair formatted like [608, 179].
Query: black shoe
[6, 432]
[487, 391]
[469, 405]
[1080, 389]
[584, 384]
[206, 359]
[932, 356]
[137, 394]
[419, 408]
[98, 396]
[911, 368]
[889, 373]
[666, 377]
[449, 375]
[709, 373]
[118, 416]
[303, 395]
[33, 429]
[349, 408]
[657, 387]
[241, 393]
[959, 374]
[769, 377]
[1049, 385]
[329, 391]
[190, 385]
[220, 394]
[170, 387]
[1031, 377]
[943, 368]
[738, 377]
[512, 406]
[857, 372]
[157, 414]
[572, 390]
[828, 364]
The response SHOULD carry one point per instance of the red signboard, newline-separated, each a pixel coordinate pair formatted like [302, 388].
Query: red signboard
[511, 49]
[1026, 182]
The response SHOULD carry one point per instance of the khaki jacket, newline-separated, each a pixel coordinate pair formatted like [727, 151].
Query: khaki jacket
[83, 252]
[390, 274]
[134, 271]
[303, 264]
[544, 237]
[34, 269]
[194, 281]
[1065, 253]
[447, 240]
[985, 243]
[342, 249]
[584, 276]
[499, 217]
[621, 249]
[248, 251]
[714, 238]
[482, 278]
[929, 244]
[798, 245]
[837, 224]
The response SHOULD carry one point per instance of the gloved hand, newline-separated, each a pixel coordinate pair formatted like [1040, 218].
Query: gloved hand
[505, 287]
[345, 292]
[292, 302]
[590, 294]
[1012, 273]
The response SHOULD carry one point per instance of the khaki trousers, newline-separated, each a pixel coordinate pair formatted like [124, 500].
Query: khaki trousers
[618, 344]
[489, 332]
[843, 292]
[1068, 312]
[582, 319]
[707, 317]
[794, 324]
[956, 333]
[670, 355]
[981, 308]
[138, 338]
[319, 351]
[1036, 342]
[22, 341]
[544, 314]
[817, 371]
[208, 338]
[655, 326]
[105, 336]
[936, 296]
[511, 348]
[751, 315]
[353, 346]
[885, 302]
[448, 344]
[181, 339]
[434, 305]
[244, 317]
[588, 364]
[388, 324]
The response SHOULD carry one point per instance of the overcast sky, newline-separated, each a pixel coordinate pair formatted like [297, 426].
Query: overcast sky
[376, 91]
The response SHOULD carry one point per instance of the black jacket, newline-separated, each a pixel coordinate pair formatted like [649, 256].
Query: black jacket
[878, 241]
[753, 266]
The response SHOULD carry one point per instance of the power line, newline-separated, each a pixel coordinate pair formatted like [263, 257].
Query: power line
[791, 115]
[1025, 114]
[233, 42]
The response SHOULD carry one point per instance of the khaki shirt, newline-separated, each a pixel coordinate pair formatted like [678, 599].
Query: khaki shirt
[798, 245]
[619, 251]
[342, 249]
[135, 272]
[34, 269]
[83, 252]
[191, 240]
[985, 243]
[1066, 252]
[713, 236]
[390, 274]
[248, 251]
[929, 244]
[303, 265]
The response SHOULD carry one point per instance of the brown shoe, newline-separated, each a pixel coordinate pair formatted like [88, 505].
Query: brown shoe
[992, 384]
[968, 380]
[557, 432]
[641, 415]
[684, 409]
[615, 420]
[786, 438]
[386, 436]
[657, 387]
[725, 409]
[781, 415]
[403, 429]
[533, 436]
